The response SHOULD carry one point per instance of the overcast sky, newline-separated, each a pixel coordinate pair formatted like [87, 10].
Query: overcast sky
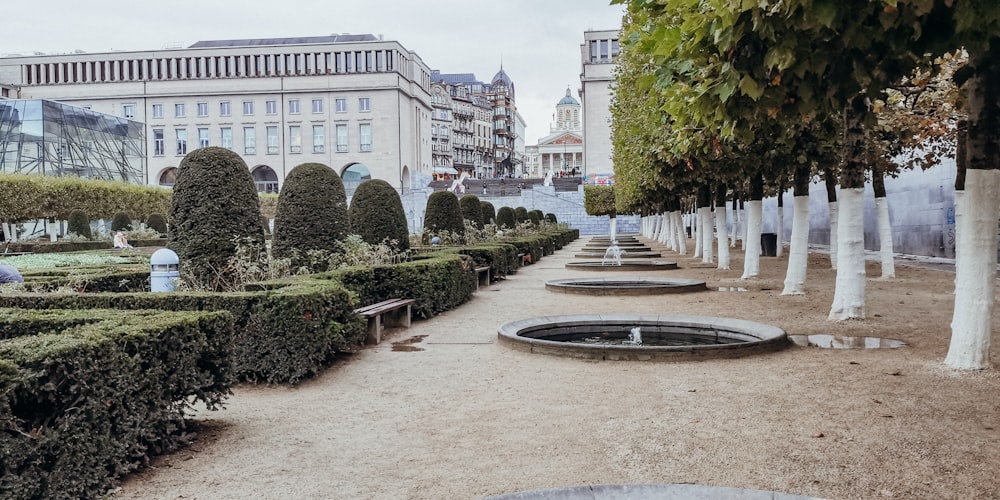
[538, 41]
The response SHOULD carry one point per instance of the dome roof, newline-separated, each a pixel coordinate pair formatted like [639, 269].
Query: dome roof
[502, 77]
[568, 100]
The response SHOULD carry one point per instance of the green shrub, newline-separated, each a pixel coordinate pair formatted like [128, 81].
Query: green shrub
[472, 209]
[599, 200]
[505, 218]
[377, 214]
[79, 223]
[535, 216]
[551, 217]
[489, 213]
[214, 207]
[521, 215]
[443, 213]
[311, 214]
[121, 222]
[157, 223]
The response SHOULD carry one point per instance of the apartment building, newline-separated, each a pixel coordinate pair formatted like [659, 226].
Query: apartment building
[357, 103]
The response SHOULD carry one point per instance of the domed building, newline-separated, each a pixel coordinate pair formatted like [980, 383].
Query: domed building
[562, 150]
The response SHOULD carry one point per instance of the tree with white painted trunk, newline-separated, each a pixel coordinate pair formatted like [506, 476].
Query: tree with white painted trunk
[798, 256]
[883, 222]
[751, 257]
[722, 232]
[705, 222]
[830, 179]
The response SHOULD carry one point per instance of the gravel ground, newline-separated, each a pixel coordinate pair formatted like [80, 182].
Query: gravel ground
[442, 411]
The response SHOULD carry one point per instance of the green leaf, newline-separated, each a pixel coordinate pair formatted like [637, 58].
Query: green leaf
[750, 88]
[825, 12]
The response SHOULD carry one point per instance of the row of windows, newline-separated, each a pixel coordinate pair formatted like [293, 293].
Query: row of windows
[201, 67]
[272, 141]
[249, 108]
[603, 51]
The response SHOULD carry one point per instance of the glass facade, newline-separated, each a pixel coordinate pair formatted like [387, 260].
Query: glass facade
[50, 138]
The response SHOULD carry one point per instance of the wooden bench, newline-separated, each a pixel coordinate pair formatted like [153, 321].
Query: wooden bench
[395, 311]
[483, 273]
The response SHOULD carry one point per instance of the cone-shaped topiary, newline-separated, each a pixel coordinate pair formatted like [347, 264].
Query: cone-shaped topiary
[377, 214]
[472, 209]
[489, 213]
[157, 223]
[121, 222]
[505, 217]
[535, 216]
[551, 217]
[521, 215]
[443, 213]
[311, 213]
[214, 208]
[79, 223]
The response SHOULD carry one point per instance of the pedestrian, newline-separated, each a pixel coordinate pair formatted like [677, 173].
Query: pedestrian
[10, 274]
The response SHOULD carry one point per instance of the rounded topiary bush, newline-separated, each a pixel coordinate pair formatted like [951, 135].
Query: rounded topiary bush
[157, 223]
[535, 216]
[505, 217]
[311, 213]
[489, 213]
[521, 215]
[79, 223]
[551, 217]
[214, 208]
[472, 209]
[377, 214]
[121, 222]
[443, 213]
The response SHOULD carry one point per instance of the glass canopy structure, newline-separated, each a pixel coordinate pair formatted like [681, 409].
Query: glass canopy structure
[44, 137]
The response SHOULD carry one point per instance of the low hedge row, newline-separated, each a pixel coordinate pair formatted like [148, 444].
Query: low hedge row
[78, 246]
[88, 396]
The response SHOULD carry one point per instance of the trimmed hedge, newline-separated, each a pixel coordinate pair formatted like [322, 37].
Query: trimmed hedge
[311, 213]
[26, 197]
[505, 217]
[89, 396]
[121, 222]
[443, 213]
[488, 211]
[79, 223]
[535, 216]
[472, 209]
[521, 215]
[377, 214]
[157, 222]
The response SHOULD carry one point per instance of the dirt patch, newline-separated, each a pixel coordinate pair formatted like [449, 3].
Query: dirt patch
[465, 417]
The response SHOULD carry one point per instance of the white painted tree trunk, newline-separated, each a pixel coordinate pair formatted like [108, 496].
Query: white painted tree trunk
[670, 233]
[755, 224]
[721, 221]
[614, 229]
[705, 228]
[780, 245]
[652, 229]
[885, 238]
[834, 216]
[849, 295]
[10, 231]
[662, 236]
[658, 223]
[696, 233]
[680, 233]
[736, 226]
[975, 270]
[53, 230]
[798, 253]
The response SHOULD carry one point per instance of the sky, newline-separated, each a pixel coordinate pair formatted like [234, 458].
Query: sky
[536, 41]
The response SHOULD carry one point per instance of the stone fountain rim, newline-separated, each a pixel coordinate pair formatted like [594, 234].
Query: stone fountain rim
[593, 286]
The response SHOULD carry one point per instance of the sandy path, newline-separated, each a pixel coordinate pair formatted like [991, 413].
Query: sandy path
[465, 417]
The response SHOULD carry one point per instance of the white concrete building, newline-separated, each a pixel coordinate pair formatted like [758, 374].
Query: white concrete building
[356, 103]
[562, 150]
[598, 54]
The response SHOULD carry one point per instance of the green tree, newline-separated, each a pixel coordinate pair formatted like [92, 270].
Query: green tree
[377, 214]
[311, 214]
[157, 222]
[214, 208]
[79, 223]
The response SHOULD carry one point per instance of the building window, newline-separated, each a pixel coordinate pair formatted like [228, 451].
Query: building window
[128, 111]
[317, 105]
[364, 104]
[182, 141]
[295, 138]
[365, 134]
[271, 107]
[319, 139]
[157, 111]
[202, 109]
[272, 140]
[293, 106]
[341, 105]
[249, 140]
[225, 108]
[227, 138]
[203, 138]
[179, 110]
[247, 108]
[158, 146]
[341, 137]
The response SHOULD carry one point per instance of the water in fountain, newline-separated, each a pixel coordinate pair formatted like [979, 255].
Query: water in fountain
[614, 252]
[635, 336]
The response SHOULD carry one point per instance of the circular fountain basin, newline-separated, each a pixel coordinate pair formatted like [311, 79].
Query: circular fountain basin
[664, 337]
[627, 254]
[625, 286]
[630, 265]
[624, 248]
